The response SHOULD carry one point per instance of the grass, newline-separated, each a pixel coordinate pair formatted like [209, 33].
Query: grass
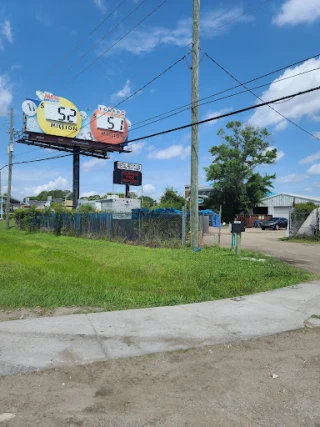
[48, 271]
[288, 239]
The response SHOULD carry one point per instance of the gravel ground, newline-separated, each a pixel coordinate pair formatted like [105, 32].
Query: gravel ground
[272, 382]
[303, 255]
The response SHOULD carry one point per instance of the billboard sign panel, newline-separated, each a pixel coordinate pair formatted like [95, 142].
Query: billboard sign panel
[57, 116]
[127, 177]
[128, 166]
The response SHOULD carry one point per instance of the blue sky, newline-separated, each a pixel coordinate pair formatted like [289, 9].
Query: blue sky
[36, 38]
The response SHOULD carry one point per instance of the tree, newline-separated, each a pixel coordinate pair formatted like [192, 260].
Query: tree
[147, 202]
[171, 199]
[236, 184]
[55, 194]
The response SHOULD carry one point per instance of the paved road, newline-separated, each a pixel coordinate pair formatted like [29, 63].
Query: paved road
[302, 255]
[26, 345]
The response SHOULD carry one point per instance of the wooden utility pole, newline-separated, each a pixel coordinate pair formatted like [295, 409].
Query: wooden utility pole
[10, 152]
[194, 217]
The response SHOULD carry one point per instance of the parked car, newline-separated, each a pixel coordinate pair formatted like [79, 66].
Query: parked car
[274, 223]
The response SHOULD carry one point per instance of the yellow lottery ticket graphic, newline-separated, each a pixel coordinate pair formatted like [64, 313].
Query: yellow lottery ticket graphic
[58, 116]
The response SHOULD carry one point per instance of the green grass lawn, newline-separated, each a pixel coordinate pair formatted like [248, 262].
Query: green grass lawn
[48, 271]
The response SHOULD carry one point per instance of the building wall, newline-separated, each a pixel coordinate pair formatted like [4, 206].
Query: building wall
[280, 204]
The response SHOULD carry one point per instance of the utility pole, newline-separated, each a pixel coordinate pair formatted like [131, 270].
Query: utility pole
[10, 152]
[1, 198]
[194, 217]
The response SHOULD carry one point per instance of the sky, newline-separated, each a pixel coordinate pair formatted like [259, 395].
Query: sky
[55, 46]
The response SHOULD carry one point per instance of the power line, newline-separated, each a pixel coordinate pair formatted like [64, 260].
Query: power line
[151, 81]
[84, 39]
[119, 40]
[37, 160]
[258, 97]
[103, 38]
[224, 115]
[142, 88]
[238, 17]
[181, 109]
[229, 89]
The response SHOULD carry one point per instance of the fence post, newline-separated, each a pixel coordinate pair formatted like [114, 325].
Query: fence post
[183, 225]
[220, 213]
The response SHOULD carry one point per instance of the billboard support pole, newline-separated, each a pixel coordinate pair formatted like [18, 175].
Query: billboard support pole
[76, 177]
[127, 191]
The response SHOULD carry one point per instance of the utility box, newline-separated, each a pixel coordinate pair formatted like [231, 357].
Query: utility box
[238, 227]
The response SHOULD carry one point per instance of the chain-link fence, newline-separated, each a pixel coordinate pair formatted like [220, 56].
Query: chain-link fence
[169, 228]
[303, 224]
[166, 230]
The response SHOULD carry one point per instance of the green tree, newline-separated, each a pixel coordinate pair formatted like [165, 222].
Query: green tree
[147, 202]
[56, 194]
[171, 199]
[86, 208]
[236, 184]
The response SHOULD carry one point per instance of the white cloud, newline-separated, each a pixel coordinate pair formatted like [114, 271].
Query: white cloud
[211, 114]
[6, 31]
[87, 194]
[145, 40]
[122, 93]
[298, 11]
[310, 159]
[93, 163]
[316, 134]
[293, 177]
[314, 169]
[308, 189]
[137, 147]
[58, 184]
[148, 189]
[304, 105]
[100, 5]
[171, 152]
[5, 95]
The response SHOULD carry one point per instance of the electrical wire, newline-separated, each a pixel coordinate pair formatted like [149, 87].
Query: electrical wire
[237, 17]
[118, 41]
[37, 160]
[140, 89]
[181, 110]
[231, 88]
[224, 115]
[84, 39]
[100, 41]
[151, 81]
[258, 97]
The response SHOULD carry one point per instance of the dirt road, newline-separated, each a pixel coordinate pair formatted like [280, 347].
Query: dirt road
[268, 382]
[304, 255]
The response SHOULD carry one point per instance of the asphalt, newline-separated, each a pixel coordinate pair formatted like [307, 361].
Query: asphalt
[303, 255]
[32, 344]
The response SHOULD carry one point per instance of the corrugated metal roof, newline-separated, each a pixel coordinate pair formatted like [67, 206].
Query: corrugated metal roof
[316, 199]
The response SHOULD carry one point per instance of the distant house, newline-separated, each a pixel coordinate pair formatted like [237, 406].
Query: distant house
[279, 205]
[14, 204]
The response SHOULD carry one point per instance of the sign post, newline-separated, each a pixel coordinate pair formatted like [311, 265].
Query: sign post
[237, 227]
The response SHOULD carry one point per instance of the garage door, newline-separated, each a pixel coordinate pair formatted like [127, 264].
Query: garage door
[282, 212]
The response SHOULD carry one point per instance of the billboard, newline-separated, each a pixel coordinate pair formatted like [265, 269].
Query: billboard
[57, 116]
[127, 173]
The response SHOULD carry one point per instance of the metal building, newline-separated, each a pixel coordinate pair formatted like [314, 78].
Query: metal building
[279, 205]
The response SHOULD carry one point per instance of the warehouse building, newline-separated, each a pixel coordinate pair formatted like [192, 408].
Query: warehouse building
[279, 205]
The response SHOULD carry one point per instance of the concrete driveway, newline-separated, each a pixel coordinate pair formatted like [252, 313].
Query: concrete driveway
[304, 255]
